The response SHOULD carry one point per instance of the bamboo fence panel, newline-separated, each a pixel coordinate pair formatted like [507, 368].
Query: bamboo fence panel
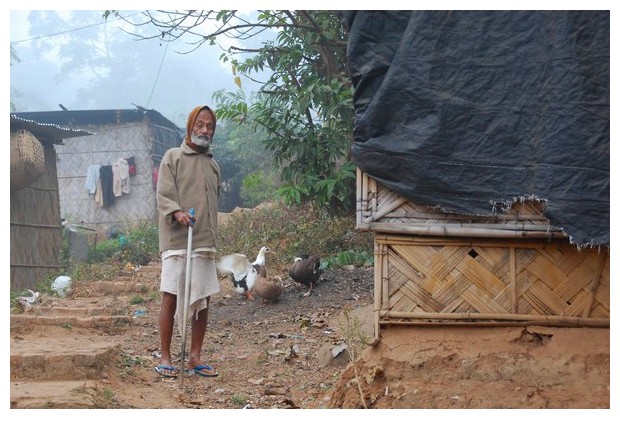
[430, 280]
[509, 268]
[380, 210]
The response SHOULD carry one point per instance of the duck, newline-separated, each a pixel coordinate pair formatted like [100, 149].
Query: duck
[268, 289]
[261, 260]
[306, 270]
[243, 273]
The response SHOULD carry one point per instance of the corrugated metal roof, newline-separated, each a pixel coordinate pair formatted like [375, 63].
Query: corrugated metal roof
[89, 118]
[46, 131]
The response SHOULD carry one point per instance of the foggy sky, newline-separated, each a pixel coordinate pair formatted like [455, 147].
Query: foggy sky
[38, 82]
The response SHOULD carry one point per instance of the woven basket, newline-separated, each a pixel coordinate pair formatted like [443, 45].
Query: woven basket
[27, 159]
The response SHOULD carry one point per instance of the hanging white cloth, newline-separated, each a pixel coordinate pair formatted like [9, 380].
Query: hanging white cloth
[92, 176]
[120, 177]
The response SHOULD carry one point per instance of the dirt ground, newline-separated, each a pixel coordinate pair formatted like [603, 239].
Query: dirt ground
[296, 353]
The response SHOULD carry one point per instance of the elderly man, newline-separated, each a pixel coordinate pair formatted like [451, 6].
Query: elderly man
[189, 177]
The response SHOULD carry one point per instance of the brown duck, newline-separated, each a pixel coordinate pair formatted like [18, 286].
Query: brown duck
[306, 270]
[268, 288]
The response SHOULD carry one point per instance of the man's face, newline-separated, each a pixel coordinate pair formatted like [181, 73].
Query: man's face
[203, 126]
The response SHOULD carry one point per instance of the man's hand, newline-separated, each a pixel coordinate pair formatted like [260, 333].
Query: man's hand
[184, 218]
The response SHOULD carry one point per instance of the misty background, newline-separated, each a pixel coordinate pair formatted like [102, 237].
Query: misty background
[80, 60]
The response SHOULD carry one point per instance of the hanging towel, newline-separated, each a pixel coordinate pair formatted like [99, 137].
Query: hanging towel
[92, 176]
[120, 177]
[99, 194]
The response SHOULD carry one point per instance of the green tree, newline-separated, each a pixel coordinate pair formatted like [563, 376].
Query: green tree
[246, 165]
[305, 101]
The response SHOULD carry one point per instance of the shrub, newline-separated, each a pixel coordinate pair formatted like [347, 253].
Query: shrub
[291, 231]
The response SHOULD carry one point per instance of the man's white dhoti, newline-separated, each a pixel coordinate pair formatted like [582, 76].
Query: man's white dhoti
[204, 280]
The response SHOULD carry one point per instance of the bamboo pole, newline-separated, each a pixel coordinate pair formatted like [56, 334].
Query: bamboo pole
[513, 279]
[584, 323]
[547, 319]
[438, 216]
[472, 230]
[394, 239]
[387, 209]
[378, 280]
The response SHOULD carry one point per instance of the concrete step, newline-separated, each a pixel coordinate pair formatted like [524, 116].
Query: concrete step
[53, 394]
[68, 311]
[74, 357]
[128, 286]
[71, 321]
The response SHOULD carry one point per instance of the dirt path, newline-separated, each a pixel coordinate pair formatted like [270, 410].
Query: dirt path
[268, 356]
[97, 349]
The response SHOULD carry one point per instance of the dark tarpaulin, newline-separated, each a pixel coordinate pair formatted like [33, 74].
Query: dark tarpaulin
[464, 110]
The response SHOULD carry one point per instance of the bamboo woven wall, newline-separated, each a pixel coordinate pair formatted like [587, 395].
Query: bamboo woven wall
[110, 143]
[509, 268]
[426, 280]
[36, 237]
[381, 210]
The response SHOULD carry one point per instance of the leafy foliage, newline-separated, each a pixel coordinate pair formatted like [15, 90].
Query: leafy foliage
[291, 231]
[246, 166]
[356, 258]
[257, 187]
[138, 245]
[305, 102]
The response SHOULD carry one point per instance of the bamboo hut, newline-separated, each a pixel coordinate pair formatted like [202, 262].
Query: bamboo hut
[36, 235]
[134, 139]
[483, 169]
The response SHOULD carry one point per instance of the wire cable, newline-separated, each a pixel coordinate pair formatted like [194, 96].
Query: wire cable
[157, 77]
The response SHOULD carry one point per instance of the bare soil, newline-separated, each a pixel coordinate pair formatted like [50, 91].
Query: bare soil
[296, 353]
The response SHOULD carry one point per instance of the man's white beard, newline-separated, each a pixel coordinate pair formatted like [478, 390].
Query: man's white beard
[202, 141]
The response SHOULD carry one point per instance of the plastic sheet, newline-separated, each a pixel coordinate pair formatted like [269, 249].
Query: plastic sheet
[469, 111]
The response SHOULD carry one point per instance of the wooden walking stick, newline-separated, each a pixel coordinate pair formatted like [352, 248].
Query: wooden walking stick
[187, 292]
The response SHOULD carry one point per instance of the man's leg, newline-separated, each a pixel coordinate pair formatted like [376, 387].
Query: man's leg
[199, 328]
[166, 325]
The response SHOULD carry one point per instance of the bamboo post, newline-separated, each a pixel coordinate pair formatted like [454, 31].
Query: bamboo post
[513, 279]
[378, 280]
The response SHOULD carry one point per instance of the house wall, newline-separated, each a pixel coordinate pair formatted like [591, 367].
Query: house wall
[36, 236]
[110, 143]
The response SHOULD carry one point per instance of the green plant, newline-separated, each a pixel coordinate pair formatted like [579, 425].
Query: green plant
[142, 244]
[257, 187]
[238, 399]
[103, 250]
[357, 258]
[292, 230]
[136, 300]
[108, 393]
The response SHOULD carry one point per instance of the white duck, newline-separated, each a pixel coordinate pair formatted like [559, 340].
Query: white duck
[243, 272]
[261, 260]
